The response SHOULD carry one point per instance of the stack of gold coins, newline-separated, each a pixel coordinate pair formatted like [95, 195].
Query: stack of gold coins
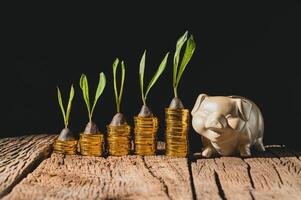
[65, 147]
[91, 144]
[145, 135]
[177, 126]
[119, 138]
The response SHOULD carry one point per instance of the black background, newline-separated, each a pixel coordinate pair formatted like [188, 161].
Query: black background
[250, 49]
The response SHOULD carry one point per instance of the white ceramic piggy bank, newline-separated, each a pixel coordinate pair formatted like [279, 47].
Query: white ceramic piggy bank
[228, 125]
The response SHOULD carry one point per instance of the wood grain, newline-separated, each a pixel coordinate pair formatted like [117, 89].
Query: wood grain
[275, 177]
[275, 174]
[205, 179]
[129, 177]
[173, 173]
[219, 178]
[19, 156]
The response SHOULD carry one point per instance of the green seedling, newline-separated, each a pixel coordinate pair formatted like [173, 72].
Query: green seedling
[91, 127]
[119, 118]
[145, 111]
[179, 69]
[66, 133]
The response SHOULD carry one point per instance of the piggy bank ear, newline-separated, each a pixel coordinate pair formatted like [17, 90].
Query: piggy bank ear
[244, 107]
[198, 103]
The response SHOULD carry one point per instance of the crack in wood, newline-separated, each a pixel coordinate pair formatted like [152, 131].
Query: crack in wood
[189, 162]
[158, 178]
[277, 172]
[249, 174]
[219, 186]
[251, 180]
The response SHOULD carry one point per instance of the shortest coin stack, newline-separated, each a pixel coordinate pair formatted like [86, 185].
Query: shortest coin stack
[91, 144]
[119, 138]
[65, 147]
[146, 135]
[177, 125]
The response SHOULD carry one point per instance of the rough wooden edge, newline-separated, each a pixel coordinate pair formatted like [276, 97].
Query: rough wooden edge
[127, 177]
[274, 174]
[19, 156]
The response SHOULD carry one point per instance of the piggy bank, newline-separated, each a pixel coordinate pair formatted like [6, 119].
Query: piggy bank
[228, 125]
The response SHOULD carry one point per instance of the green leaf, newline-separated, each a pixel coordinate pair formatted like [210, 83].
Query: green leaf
[159, 71]
[115, 64]
[179, 46]
[141, 75]
[189, 50]
[85, 89]
[122, 80]
[59, 97]
[100, 88]
[71, 95]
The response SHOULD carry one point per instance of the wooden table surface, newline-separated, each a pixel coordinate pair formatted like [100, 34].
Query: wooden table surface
[29, 170]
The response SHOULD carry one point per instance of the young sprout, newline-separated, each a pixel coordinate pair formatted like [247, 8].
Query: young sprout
[179, 69]
[66, 133]
[91, 127]
[145, 111]
[119, 118]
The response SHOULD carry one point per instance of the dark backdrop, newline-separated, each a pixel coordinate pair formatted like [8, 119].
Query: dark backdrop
[250, 49]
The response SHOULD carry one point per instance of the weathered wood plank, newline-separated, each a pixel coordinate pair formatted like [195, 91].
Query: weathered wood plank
[287, 158]
[205, 179]
[130, 177]
[173, 173]
[275, 177]
[19, 156]
[234, 178]
[275, 174]
[218, 178]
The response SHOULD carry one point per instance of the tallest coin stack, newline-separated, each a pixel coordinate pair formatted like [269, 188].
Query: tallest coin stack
[177, 126]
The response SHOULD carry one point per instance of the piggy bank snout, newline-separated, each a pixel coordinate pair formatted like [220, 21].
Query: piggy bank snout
[214, 124]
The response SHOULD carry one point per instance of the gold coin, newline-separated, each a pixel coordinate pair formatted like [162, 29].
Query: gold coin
[65, 147]
[176, 134]
[145, 135]
[119, 140]
[91, 144]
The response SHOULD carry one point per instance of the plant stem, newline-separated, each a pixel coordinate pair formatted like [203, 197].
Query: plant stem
[175, 91]
[144, 101]
[143, 98]
[118, 106]
[90, 118]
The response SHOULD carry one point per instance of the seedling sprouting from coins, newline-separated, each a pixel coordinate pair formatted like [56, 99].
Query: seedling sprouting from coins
[66, 133]
[146, 125]
[119, 118]
[145, 111]
[91, 127]
[176, 117]
[118, 132]
[178, 70]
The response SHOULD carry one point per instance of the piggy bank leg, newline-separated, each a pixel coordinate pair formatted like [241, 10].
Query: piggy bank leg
[259, 145]
[245, 143]
[244, 150]
[208, 150]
